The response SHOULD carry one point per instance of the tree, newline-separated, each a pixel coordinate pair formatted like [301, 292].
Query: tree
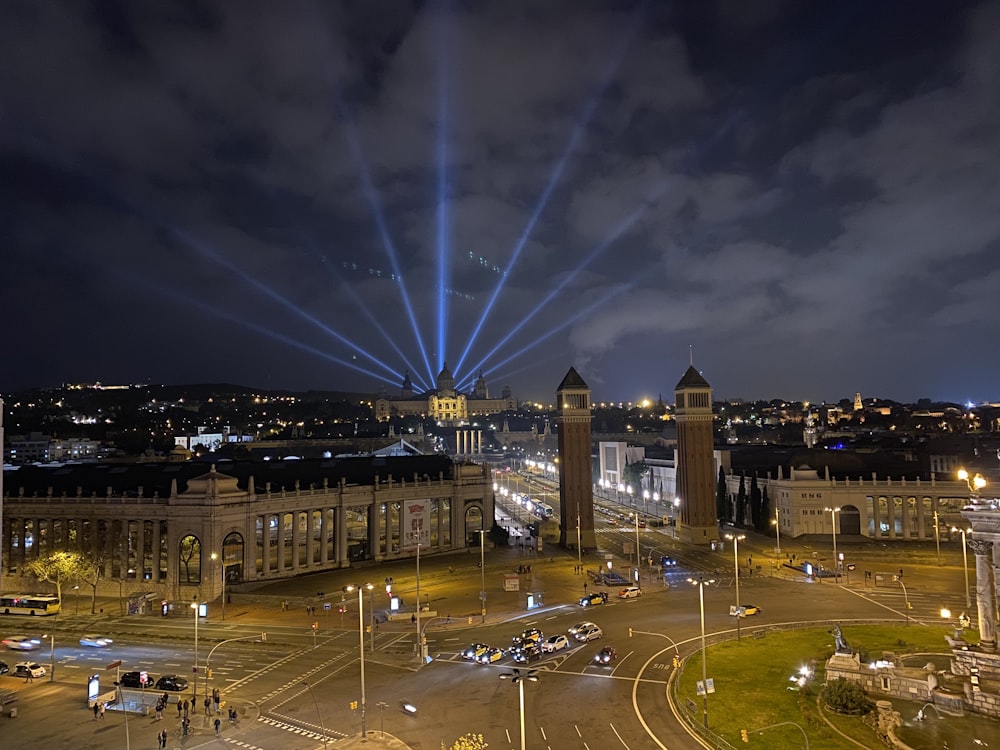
[722, 497]
[765, 512]
[469, 741]
[58, 568]
[91, 573]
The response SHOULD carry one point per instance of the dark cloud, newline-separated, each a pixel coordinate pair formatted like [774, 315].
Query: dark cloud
[230, 191]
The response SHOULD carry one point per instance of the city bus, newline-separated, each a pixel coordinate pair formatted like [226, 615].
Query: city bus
[29, 604]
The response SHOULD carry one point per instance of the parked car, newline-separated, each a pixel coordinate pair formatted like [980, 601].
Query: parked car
[630, 592]
[585, 625]
[4, 669]
[131, 680]
[606, 655]
[472, 652]
[17, 643]
[589, 634]
[592, 600]
[555, 643]
[490, 655]
[95, 641]
[171, 682]
[29, 669]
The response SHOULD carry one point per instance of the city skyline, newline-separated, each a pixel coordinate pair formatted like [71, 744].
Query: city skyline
[800, 200]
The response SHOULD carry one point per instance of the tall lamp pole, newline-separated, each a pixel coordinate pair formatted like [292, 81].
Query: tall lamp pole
[965, 566]
[777, 526]
[937, 537]
[836, 560]
[482, 571]
[700, 583]
[737, 538]
[579, 552]
[361, 648]
[517, 677]
[636, 515]
[320, 715]
[194, 606]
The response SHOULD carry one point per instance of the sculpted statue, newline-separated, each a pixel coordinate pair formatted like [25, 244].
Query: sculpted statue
[842, 647]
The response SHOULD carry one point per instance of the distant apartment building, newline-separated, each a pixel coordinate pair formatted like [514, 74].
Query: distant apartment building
[35, 448]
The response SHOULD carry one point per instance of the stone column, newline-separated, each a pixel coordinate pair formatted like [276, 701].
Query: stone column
[340, 523]
[296, 525]
[985, 601]
[890, 507]
[324, 536]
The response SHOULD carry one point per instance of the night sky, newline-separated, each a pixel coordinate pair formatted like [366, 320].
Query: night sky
[324, 195]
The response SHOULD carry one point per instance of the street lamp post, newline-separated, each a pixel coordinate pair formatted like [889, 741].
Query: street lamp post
[836, 560]
[579, 551]
[937, 537]
[517, 677]
[777, 526]
[221, 559]
[737, 538]
[965, 566]
[482, 571]
[194, 606]
[700, 583]
[636, 515]
[52, 657]
[361, 648]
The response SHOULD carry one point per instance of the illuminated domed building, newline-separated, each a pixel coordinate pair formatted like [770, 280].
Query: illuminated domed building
[447, 406]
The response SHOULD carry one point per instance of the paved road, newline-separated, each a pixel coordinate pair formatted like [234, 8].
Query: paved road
[290, 694]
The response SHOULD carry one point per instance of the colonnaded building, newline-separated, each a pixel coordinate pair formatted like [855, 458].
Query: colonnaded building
[444, 404]
[174, 530]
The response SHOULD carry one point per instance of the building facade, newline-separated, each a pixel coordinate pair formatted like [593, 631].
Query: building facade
[446, 405]
[186, 529]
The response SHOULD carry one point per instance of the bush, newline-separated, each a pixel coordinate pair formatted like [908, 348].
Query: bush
[846, 697]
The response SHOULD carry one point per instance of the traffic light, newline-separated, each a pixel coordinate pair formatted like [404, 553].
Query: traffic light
[208, 672]
[630, 632]
[677, 661]
[315, 626]
[744, 736]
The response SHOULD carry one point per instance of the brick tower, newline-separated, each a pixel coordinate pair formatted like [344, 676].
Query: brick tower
[695, 459]
[576, 480]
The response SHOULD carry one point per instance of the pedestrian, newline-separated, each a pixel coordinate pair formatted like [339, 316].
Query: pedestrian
[584, 587]
[413, 619]
[187, 707]
[97, 710]
[217, 699]
[159, 710]
[284, 606]
[218, 723]
[179, 708]
[104, 707]
[163, 739]
[208, 705]
[184, 725]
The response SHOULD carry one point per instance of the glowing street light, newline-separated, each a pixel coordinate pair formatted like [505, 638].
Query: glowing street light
[975, 483]
[737, 538]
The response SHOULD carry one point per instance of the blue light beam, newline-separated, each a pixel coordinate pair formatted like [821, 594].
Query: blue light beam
[576, 135]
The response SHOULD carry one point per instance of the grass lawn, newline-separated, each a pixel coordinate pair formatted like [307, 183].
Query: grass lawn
[753, 689]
